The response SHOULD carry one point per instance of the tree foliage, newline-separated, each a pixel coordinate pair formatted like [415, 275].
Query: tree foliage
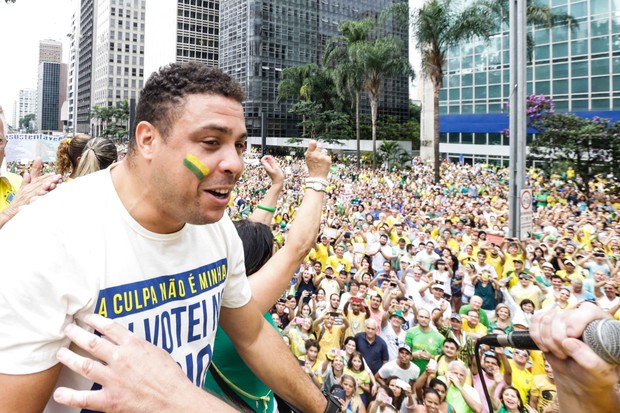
[112, 120]
[345, 69]
[27, 123]
[589, 146]
[323, 125]
[438, 26]
[393, 155]
[380, 59]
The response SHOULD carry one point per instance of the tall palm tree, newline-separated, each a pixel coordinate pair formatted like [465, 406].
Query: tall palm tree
[295, 84]
[380, 59]
[438, 26]
[346, 71]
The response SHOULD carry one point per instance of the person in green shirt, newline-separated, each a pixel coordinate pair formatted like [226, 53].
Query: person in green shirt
[424, 341]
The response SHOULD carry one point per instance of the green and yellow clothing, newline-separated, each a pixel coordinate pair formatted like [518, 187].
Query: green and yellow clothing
[9, 184]
[430, 341]
[545, 390]
[522, 380]
[362, 377]
[237, 375]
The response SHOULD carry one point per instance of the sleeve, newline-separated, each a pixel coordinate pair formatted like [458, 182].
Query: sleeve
[34, 306]
[237, 292]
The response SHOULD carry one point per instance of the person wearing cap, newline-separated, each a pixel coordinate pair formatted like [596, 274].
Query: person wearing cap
[401, 367]
[597, 260]
[547, 272]
[571, 271]
[391, 330]
[328, 282]
[322, 250]
[521, 377]
[454, 330]
[435, 300]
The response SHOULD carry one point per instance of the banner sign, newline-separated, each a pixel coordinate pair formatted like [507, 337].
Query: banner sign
[24, 147]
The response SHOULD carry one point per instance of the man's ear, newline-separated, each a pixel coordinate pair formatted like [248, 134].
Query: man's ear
[147, 136]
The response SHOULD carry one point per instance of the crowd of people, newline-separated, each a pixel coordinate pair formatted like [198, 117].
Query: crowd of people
[382, 283]
[405, 271]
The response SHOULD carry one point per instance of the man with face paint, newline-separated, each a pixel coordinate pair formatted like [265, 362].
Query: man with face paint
[149, 246]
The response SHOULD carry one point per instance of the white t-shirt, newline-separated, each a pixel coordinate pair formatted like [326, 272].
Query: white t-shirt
[78, 251]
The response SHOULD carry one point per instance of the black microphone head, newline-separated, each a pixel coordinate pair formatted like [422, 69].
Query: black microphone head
[603, 337]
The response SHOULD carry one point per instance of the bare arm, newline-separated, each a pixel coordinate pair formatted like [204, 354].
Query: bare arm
[27, 393]
[269, 282]
[254, 337]
[270, 199]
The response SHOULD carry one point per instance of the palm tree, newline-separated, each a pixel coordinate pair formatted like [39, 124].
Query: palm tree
[380, 59]
[393, 154]
[346, 72]
[295, 84]
[438, 26]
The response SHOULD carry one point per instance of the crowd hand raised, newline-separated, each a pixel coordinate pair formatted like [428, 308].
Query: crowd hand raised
[273, 169]
[577, 369]
[135, 375]
[317, 160]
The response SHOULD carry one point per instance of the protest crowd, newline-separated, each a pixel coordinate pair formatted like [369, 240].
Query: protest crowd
[406, 274]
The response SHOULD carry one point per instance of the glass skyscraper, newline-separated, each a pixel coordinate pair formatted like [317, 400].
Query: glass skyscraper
[578, 67]
[258, 39]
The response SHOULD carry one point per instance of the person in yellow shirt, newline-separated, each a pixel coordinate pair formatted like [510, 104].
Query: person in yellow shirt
[322, 251]
[521, 377]
[471, 324]
[338, 261]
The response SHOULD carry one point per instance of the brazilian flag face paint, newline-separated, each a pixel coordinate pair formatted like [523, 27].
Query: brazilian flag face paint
[195, 165]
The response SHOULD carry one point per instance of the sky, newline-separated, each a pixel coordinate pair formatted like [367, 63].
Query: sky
[22, 25]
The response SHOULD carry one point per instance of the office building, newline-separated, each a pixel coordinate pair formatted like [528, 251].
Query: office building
[50, 51]
[579, 68]
[118, 52]
[259, 39]
[181, 31]
[51, 93]
[25, 104]
[107, 57]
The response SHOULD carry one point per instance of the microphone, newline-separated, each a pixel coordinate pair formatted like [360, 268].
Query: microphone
[602, 336]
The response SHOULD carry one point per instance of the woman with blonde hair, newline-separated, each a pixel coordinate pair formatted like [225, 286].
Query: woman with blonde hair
[99, 153]
[353, 402]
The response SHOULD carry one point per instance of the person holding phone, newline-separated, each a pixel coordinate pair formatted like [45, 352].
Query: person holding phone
[352, 401]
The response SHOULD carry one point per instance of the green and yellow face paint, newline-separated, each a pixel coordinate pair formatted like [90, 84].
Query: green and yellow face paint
[195, 165]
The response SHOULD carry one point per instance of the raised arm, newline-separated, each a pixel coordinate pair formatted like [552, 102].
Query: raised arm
[273, 278]
[266, 208]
